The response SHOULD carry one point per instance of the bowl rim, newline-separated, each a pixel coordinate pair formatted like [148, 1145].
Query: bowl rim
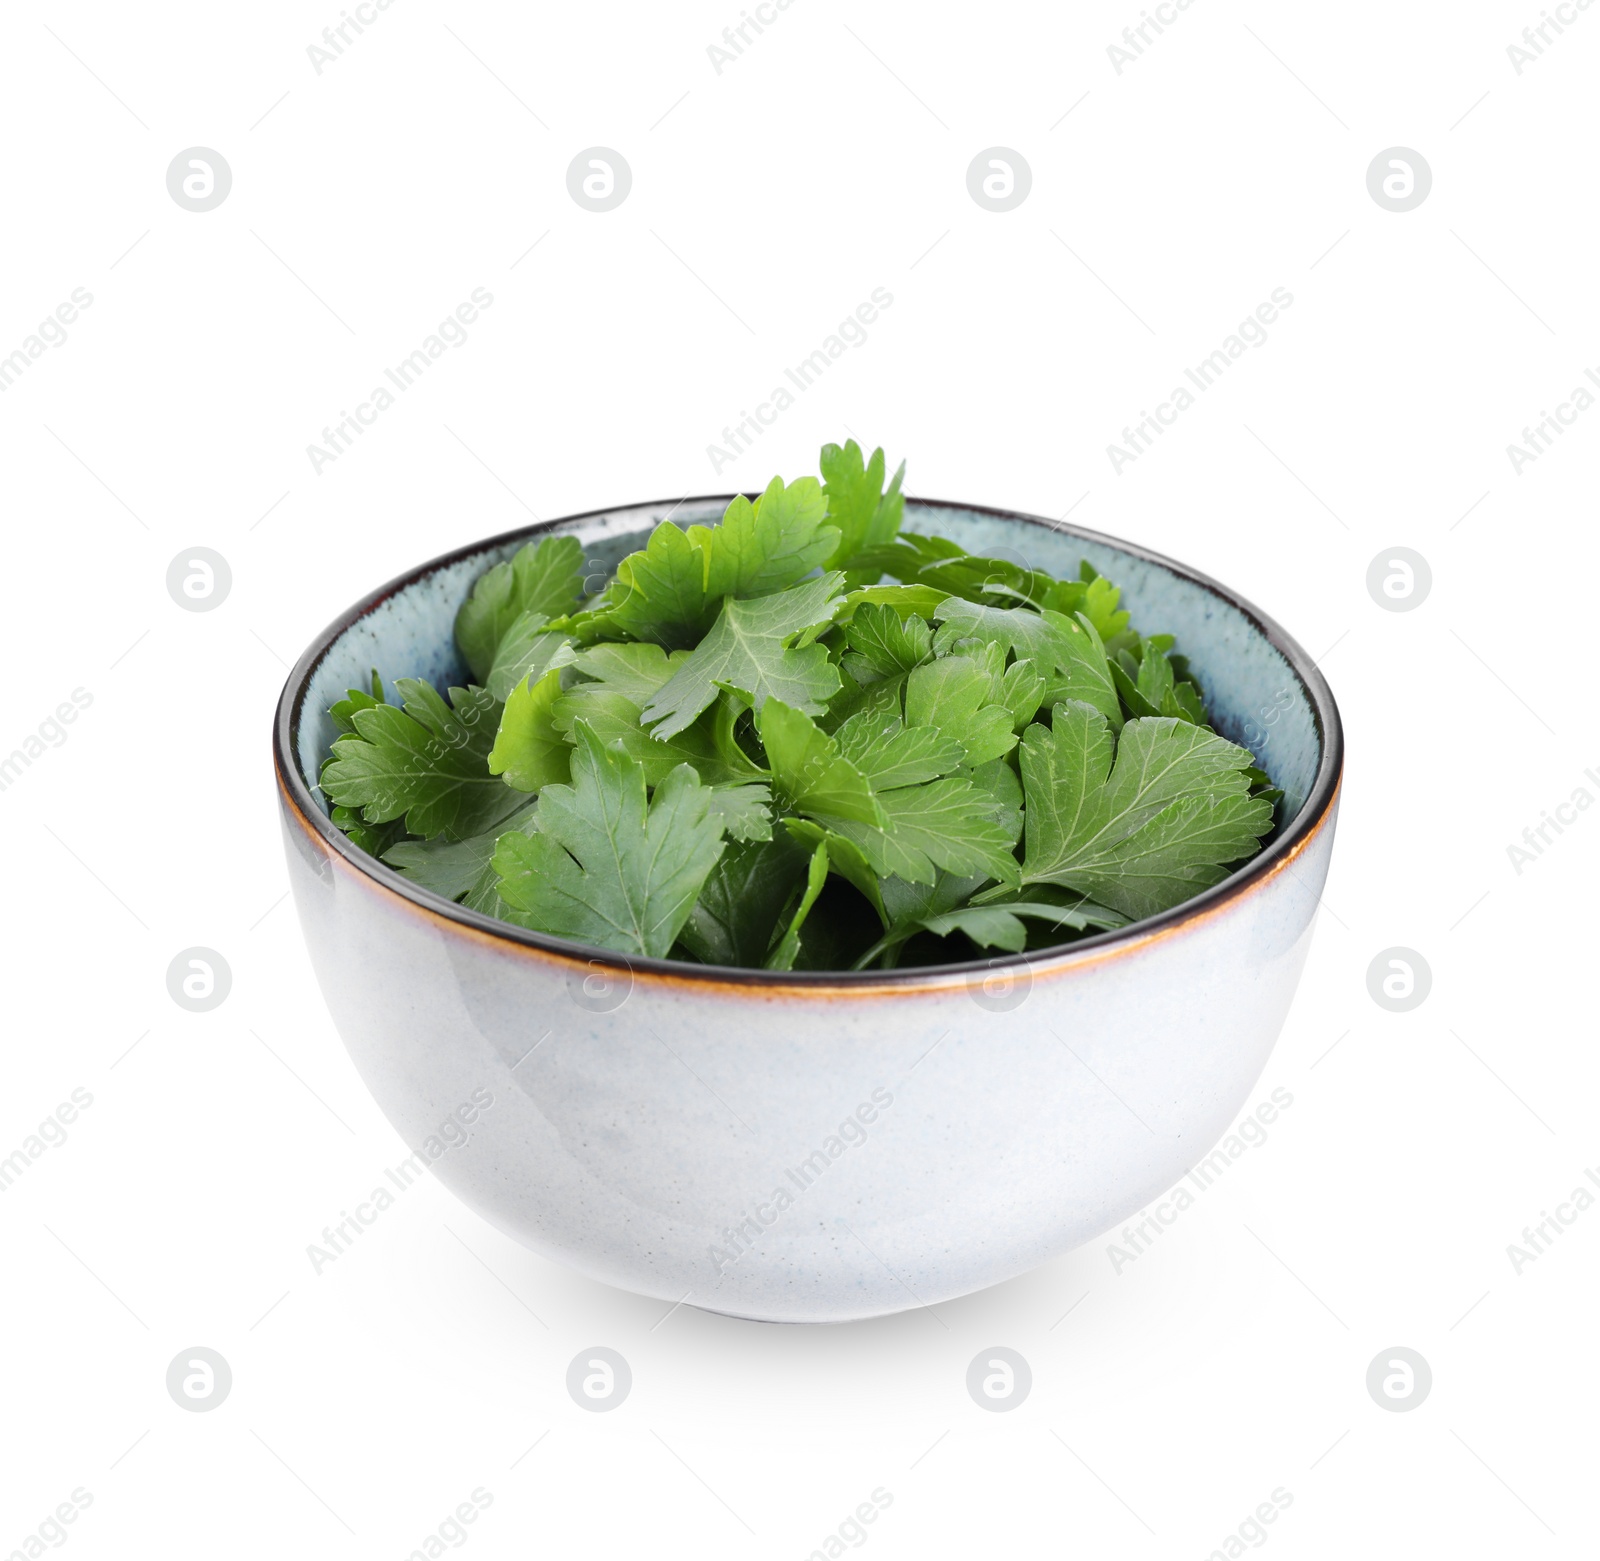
[1296, 835]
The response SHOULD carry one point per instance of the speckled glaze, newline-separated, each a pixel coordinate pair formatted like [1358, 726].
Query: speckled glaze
[814, 1148]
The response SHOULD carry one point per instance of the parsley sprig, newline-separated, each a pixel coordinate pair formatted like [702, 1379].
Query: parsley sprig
[801, 739]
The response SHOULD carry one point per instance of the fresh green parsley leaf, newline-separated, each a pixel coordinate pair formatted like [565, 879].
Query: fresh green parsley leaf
[809, 774]
[621, 681]
[1141, 824]
[454, 867]
[906, 558]
[1000, 781]
[769, 545]
[949, 824]
[426, 761]
[544, 577]
[730, 716]
[530, 751]
[1081, 669]
[1148, 682]
[844, 858]
[908, 601]
[735, 919]
[1067, 651]
[634, 671]
[615, 721]
[1092, 595]
[355, 699]
[660, 593]
[941, 564]
[1185, 703]
[1021, 691]
[605, 866]
[748, 648]
[1155, 680]
[745, 810]
[889, 753]
[905, 906]
[1017, 629]
[374, 839]
[952, 694]
[1133, 701]
[879, 643]
[865, 515]
[788, 949]
[999, 926]
[884, 699]
[670, 592]
[527, 649]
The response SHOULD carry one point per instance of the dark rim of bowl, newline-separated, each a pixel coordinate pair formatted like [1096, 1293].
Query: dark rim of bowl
[1283, 847]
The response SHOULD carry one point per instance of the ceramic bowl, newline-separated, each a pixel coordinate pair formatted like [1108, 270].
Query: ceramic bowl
[813, 1147]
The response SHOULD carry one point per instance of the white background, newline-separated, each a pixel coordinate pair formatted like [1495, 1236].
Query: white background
[768, 201]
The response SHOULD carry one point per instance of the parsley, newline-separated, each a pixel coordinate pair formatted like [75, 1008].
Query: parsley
[529, 750]
[428, 761]
[801, 739]
[1145, 829]
[865, 514]
[751, 648]
[541, 581]
[606, 867]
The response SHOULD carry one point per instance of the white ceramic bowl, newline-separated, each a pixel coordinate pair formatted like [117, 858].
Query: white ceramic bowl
[805, 1147]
